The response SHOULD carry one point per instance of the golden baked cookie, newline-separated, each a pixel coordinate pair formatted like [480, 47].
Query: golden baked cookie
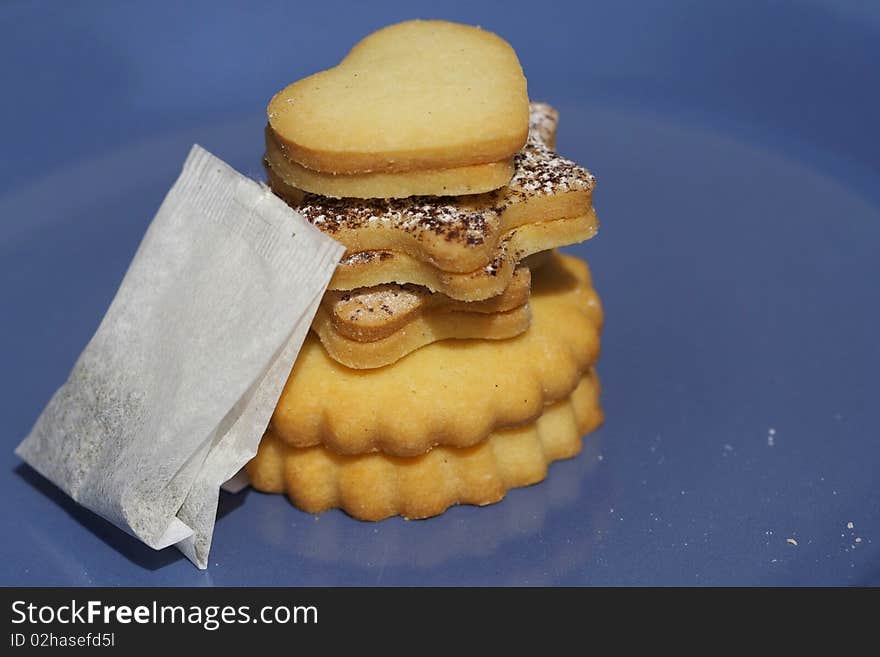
[425, 328]
[376, 486]
[455, 181]
[453, 392]
[413, 96]
[376, 326]
[372, 313]
[458, 234]
[369, 268]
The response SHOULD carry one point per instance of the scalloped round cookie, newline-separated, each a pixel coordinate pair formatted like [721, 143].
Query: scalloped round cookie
[369, 268]
[376, 486]
[454, 392]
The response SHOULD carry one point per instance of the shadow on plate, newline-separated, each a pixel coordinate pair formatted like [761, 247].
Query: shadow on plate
[128, 546]
[573, 493]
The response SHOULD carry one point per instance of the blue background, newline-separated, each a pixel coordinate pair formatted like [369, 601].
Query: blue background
[736, 146]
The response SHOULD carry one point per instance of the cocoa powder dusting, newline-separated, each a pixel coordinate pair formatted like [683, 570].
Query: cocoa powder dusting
[466, 220]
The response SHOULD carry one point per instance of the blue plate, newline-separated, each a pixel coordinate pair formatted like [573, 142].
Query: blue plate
[739, 190]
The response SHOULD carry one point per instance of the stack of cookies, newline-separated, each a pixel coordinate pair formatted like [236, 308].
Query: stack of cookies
[452, 357]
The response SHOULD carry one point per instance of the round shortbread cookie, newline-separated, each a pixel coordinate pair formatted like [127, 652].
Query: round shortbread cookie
[376, 486]
[454, 392]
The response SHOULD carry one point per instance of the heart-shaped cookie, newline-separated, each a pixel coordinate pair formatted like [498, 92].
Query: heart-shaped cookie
[412, 96]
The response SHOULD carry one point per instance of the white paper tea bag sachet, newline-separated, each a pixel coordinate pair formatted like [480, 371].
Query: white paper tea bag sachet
[171, 396]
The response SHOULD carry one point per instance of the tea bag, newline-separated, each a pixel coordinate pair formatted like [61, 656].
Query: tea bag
[172, 394]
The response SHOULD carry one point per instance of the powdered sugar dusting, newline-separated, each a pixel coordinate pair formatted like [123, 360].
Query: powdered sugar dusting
[539, 169]
[470, 220]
